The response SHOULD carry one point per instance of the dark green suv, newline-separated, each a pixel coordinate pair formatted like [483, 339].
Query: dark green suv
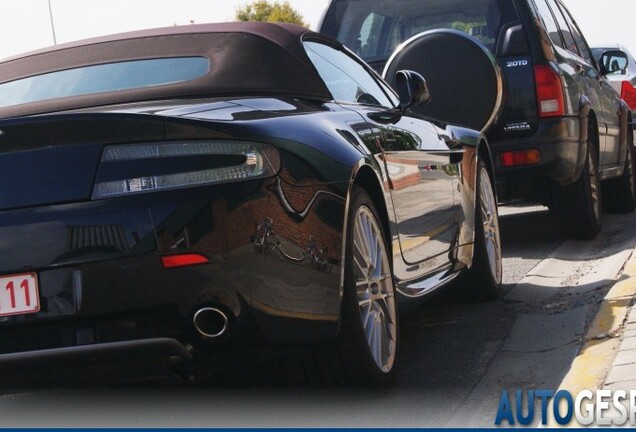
[522, 72]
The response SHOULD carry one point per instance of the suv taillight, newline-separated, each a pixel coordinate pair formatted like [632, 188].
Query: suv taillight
[628, 94]
[549, 91]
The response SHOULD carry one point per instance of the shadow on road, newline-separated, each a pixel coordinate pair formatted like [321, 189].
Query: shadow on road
[444, 342]
[455, 357]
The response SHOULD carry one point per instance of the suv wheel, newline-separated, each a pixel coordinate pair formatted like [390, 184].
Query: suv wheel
[578, 205]
[619, 193]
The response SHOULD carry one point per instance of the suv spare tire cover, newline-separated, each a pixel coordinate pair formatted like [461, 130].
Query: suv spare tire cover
[463, 77]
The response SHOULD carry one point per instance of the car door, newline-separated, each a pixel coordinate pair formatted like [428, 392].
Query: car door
[611, 117]
[418, 162]
[422, 183]
[604, 99]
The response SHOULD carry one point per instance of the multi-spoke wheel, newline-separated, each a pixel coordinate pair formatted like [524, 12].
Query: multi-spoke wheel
[486, 271]
[374, 288]
[369, 331]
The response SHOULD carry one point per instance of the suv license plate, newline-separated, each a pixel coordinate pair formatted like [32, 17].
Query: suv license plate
[19, 294]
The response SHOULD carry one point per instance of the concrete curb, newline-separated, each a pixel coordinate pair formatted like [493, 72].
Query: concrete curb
[608, 356]
[622, 375]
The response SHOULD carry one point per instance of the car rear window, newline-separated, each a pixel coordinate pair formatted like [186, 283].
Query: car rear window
[110, 77]
[374, 28]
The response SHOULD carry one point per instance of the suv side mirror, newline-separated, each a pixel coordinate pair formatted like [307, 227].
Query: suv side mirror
[411, 88]
[613, 61]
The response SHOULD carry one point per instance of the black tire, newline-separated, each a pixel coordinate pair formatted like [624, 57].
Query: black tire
[619, 194]
[361, 366]
[579, 205]
[484, 278]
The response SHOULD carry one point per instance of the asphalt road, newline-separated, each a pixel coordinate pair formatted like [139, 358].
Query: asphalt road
[456, 357]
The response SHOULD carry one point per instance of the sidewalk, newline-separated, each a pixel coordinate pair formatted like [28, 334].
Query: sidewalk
[607, 359]
[622, 375]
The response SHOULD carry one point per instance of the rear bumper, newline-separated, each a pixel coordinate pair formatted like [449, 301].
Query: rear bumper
[562, 157]
[159, 350]
[104, 292]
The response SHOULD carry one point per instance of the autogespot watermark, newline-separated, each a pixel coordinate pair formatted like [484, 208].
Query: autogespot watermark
[588, 408]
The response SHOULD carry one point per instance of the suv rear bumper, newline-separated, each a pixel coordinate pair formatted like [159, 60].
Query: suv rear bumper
[562, 157]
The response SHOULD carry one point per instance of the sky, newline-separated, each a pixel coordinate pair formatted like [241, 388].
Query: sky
[25, 25]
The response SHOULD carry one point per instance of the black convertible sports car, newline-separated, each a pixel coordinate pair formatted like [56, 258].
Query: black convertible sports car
[172, 194]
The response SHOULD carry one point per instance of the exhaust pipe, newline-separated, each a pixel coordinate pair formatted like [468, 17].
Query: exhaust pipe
[211, 322]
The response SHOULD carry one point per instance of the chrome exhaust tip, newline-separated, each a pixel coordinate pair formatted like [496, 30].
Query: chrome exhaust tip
[211, 322]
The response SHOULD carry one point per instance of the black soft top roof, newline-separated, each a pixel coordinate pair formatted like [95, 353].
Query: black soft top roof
[246, 58]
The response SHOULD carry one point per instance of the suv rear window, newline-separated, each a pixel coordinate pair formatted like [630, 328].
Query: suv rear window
[374, 28]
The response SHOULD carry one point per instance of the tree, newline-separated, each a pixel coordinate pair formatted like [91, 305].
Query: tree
[262, 10]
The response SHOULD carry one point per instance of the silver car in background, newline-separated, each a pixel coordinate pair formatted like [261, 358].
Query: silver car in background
[620, 66]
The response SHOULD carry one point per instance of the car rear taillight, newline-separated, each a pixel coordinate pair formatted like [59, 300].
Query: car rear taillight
[550, 100]
[520, 157]
[136, 168]
[628, 94]
[183, 260]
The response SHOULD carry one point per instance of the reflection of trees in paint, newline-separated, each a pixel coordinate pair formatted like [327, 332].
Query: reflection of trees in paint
[451, 170]
[267, 241]
[399, 140]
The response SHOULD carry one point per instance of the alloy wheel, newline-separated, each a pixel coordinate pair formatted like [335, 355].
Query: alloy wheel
[374, 289]
[490, 220]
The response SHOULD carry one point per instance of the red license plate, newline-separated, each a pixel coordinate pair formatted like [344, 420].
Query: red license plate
[19, 294]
